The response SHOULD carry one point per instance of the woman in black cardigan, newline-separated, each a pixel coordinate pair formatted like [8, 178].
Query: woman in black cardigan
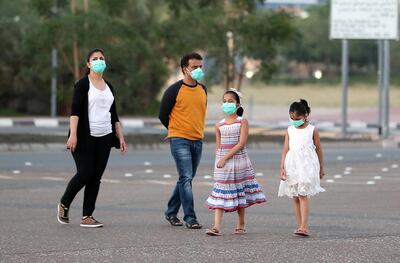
[94, 130]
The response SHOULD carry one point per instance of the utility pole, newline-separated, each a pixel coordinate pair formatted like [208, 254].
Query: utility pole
[345, 84]
[75, 54]
[385, 92]
[54, 65]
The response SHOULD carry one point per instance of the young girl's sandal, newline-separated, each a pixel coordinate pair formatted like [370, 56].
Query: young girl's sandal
[213, 232]
[301, 233]
[240, 231]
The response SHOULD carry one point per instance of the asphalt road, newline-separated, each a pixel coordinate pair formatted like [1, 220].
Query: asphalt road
[357, 219]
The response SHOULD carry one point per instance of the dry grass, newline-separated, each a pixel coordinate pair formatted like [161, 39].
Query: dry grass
[360, 95]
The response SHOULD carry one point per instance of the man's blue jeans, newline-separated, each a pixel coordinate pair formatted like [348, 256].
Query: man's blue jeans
[187, 155]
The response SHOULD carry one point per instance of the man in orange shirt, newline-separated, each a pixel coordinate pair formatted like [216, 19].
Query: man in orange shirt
[183, 113]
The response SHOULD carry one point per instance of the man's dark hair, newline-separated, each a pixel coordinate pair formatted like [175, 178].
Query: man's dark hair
[185, 59]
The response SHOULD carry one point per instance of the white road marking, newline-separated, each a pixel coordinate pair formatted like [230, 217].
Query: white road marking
[158, 182]
[340, 158]
[16, 172]
[377, 177]
[6, 177]
[59, 179]
[28, 164]
[378, 155]
[370, 182]
[330, 181]
[147, 163]
[259, 174]
[385, 170]
[128, 175]
[149, 171]
[112, 181]
[205, 183]
[395, 166]
[167, 176]
[207, 176]
[349, 168]
[347, 172]
[337, 176]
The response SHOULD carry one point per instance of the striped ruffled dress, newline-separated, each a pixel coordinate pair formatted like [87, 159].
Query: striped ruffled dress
[234, 185]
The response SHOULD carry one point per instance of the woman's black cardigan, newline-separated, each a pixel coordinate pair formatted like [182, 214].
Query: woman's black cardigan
[80, 108]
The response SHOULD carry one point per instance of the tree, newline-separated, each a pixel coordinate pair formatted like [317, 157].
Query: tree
[141, 39]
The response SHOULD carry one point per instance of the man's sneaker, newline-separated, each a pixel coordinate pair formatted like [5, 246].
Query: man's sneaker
[62, 215]
[89, 221]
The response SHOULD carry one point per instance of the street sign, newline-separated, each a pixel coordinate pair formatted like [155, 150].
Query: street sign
[364, 19]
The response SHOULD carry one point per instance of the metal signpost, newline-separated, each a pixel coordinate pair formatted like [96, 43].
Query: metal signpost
[366, 19]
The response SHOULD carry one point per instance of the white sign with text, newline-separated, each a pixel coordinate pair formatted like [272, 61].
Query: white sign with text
[364, 19]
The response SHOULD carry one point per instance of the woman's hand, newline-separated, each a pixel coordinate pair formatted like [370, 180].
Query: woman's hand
[221, 163]
[71, 143]
[122, 146]
[283, 174]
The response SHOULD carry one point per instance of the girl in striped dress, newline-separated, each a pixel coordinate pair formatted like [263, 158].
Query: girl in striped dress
[235, 187]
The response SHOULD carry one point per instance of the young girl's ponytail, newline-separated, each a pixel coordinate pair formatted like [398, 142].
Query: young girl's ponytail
[305, 103]
[240, 111]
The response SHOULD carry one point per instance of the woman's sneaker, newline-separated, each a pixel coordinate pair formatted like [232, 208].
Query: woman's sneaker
[89, 221]
[62, 214]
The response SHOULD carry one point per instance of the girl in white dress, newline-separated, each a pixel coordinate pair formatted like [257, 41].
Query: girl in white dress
[301, 164]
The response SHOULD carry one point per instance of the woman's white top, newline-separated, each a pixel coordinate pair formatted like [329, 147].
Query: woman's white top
[100, 102]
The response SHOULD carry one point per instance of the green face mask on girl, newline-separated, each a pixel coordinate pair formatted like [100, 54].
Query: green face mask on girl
[229, 108]
[297, 123]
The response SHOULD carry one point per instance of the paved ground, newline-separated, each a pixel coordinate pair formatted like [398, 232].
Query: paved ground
[355, 220]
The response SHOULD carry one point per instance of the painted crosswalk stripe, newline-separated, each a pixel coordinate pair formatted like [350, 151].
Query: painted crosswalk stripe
[330, 181]
[347, 172]
[147, 163]
[6, 177]
[149, 171]
[28, 164]
[259, 174]
[385, 170]
[158, 182]
[377, 177]
[378, 155]
[59, 179]
[349, 168]
[112, 181]
[337, 176]
[167, 176]
[206, 183]
[370, 182]
[395, 166]
[128, 175]
[207, 176]
[16, 172]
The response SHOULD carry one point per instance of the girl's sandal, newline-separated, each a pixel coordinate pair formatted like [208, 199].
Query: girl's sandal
[302, 233]
[213, 232]
[240, 231]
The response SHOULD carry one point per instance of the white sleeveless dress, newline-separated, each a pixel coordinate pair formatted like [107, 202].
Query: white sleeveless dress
[301, 165]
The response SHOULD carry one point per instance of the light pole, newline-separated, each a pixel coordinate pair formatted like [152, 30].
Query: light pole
[54, 65]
